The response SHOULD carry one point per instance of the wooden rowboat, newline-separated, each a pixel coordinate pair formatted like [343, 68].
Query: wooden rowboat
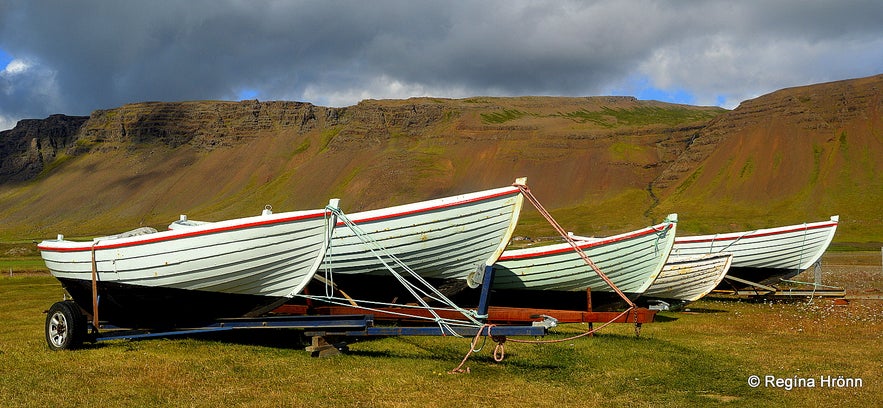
[687, 278]
[631, 260]
[766, 255]
[194, 274]
[441, 240]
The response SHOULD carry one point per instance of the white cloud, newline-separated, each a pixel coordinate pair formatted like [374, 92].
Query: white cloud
[6, 123]
[381, 87]
[15, 67]
[23, 83]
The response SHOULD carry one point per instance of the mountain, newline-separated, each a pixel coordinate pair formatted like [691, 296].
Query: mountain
[601, 164]
[795, 155]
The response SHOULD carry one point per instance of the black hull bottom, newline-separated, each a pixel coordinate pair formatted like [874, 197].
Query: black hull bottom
[145, 307]
[386, 289]
[380, 288]
[763, 276]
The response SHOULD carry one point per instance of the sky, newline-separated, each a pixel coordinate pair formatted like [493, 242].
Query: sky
[73, 57]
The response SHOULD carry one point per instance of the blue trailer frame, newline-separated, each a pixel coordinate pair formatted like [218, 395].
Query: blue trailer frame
[355, 325]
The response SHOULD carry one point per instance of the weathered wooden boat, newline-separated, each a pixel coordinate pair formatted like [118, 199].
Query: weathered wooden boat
[441, 240]
[687, 278]
[556, 276]
[765, 255]
[190, 275]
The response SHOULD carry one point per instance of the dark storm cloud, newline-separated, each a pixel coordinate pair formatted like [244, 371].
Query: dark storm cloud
[74, 57]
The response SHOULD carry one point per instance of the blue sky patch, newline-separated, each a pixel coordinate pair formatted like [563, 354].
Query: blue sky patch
[5, 59]
[247, 94]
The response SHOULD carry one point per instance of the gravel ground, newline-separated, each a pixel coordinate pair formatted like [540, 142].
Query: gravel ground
[859, 273]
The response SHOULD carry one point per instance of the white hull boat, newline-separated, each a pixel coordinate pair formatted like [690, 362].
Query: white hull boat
[631, 261]
[440, 240]
[210, 270]
[687, 278]
[764, 255]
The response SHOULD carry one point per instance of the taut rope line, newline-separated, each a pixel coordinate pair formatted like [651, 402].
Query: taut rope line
[533, 200]
[499, 351]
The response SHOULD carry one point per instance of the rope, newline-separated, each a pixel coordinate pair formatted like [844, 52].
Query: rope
[584, 334]
[499, 350]
[418, 293]
[94, 288]
[724, 249]
[660, 234]
[363, 306]
[533, 200]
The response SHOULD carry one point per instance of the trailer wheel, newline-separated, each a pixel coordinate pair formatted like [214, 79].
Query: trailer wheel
[65, 326]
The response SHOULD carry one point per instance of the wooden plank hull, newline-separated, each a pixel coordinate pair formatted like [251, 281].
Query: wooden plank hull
[631, 261]
[763, 255]
[254, 260]
[686, 279]
[446, 238]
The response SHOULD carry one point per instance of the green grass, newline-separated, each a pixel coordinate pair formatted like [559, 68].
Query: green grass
[504, 116]
[623, 151]
[689, 180]
[21, 264]
[302, 147]
[703, 356]
[645, 115]
[614, 118]
[747, 168]
[327, 136]
[20, 256]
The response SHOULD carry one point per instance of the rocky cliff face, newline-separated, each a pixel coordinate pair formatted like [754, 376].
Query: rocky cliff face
[26, 149]
[205, 125]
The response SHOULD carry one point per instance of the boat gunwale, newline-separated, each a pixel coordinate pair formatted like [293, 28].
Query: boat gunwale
[764, 232]
[678, 259]
[555, 249]
[171, 235]
[430, 205]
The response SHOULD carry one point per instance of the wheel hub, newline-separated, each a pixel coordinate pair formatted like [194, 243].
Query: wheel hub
[58, 329]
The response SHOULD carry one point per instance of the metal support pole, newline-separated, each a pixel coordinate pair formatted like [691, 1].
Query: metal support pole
[486, 282]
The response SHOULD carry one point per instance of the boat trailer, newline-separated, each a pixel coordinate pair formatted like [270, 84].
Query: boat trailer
[68, 326]
[755, 290]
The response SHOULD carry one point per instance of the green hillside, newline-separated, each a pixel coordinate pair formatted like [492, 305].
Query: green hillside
[603, 165]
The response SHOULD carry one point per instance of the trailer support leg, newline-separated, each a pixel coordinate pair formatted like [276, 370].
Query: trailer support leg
[486, 282]
[320, 347]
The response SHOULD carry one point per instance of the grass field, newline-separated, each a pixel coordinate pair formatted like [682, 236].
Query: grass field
[701, 356]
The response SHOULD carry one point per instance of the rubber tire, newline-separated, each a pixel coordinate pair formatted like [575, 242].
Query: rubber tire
[65, 326]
